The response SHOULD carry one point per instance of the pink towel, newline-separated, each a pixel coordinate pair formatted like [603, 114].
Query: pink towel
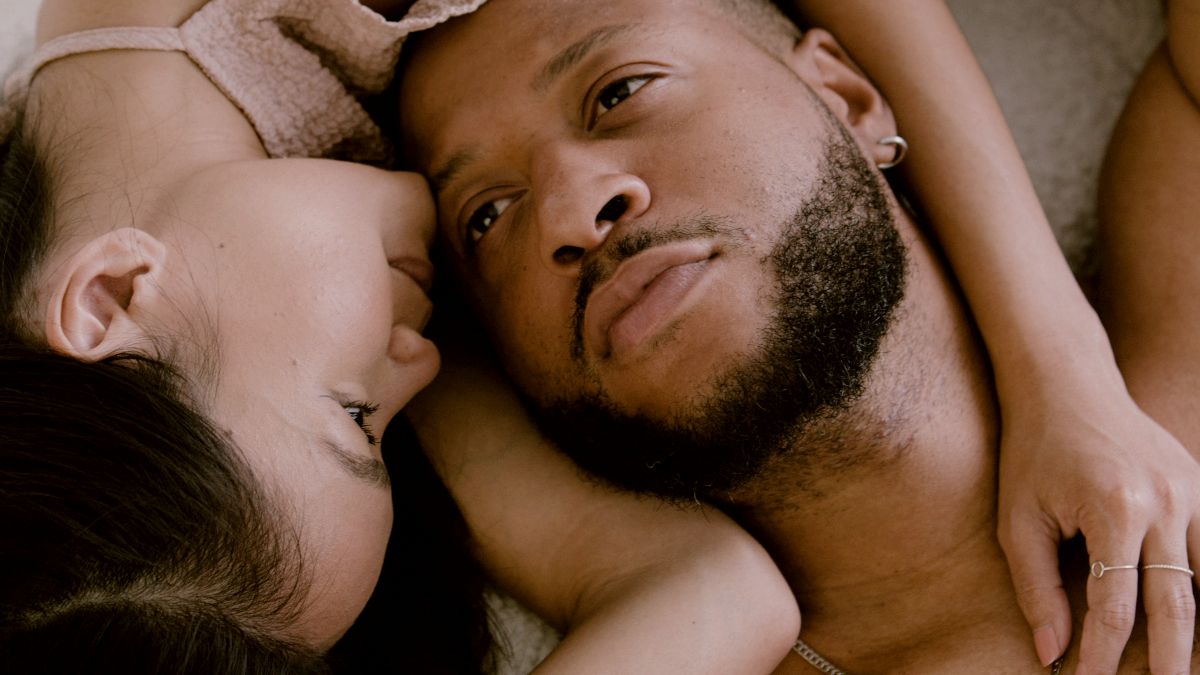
[298, 69]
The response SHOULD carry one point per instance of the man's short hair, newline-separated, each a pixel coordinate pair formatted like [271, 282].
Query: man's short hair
[763, 22]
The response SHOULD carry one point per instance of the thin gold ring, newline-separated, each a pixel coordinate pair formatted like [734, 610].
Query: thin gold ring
[1098, 568]
[1163, 566]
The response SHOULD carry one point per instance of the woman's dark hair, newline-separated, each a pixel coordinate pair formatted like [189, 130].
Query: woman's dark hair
[25, 214]
[134, 536]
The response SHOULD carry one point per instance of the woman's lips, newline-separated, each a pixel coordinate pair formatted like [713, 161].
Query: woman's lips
[410, 292]
[646, 291]
[419, 269]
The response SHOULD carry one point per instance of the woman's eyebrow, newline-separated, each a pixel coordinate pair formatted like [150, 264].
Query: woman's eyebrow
[367, 469]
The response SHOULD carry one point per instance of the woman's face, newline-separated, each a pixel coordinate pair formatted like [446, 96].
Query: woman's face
[309, 279]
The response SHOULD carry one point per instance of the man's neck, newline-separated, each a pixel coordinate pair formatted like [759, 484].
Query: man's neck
[894, 545]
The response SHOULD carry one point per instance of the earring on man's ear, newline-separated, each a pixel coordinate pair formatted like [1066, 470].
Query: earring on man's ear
[901, 147]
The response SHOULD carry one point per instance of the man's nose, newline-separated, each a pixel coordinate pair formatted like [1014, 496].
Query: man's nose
[582, 202]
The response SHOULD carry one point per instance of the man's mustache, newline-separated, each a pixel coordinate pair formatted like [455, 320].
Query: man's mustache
[600, 266]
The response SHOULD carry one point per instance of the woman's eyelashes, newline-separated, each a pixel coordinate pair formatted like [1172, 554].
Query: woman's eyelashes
[482, 219]
[359, 411]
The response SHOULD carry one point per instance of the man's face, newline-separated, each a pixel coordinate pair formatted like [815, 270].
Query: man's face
[644, 204]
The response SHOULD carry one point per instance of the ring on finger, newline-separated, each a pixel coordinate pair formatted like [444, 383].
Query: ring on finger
[1164, 566]
[1098, 568]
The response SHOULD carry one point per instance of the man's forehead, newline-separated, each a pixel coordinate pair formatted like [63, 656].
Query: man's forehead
[550, 18]
[503, 35]
[531, 83]
[471, 67]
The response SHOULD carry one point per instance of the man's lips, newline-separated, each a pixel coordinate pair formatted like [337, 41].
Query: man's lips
[642, 294]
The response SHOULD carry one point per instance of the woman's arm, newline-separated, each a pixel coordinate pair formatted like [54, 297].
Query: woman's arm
[1077, 453]
[638, 585]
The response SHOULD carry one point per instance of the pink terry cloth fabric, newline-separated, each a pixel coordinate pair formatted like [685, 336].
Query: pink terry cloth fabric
[298, 69]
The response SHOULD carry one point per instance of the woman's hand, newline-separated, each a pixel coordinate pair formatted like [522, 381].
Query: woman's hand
[1082, 457]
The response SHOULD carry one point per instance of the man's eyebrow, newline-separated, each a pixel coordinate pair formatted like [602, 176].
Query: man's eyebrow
[368, 469]
[449, 170]
[575, 52]
[445, 174]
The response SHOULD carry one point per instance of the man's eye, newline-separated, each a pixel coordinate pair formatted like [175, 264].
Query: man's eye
[618, 91]
[359, 412]
[485, 216]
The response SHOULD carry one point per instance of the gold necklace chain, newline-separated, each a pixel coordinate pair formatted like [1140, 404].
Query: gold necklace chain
[814, 659]
[823, 664]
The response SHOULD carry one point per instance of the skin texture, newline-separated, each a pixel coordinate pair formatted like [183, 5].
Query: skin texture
[537, 143]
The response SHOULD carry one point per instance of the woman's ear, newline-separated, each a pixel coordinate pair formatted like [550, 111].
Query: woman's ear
[834, 77]
[100, 295]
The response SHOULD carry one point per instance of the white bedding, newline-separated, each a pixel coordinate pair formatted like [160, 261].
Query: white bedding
[16, 30]
[1061, 69]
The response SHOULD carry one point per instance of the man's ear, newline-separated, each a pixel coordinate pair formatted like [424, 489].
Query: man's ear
[820, 61]
[100, 295]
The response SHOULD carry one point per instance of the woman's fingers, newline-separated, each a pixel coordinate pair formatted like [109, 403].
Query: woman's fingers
[1031, 545]
[1112, 588]
[1131, 489]
[1169, 600]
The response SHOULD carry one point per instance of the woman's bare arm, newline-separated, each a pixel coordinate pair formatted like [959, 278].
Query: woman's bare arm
[638, 586]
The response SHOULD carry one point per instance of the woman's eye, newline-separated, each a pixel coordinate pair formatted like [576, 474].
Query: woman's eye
[485, 216]
[359, 412]
[618, 91]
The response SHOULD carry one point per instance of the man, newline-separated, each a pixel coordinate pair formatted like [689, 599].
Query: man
[671, 225]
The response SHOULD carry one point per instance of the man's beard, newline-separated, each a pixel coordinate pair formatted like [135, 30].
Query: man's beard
[839, 273]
